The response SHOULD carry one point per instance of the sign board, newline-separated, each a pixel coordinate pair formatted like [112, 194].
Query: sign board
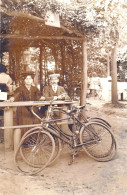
[3, 95]
[52, 19]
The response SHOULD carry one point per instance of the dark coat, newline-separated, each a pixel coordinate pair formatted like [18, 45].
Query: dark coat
[23, 114]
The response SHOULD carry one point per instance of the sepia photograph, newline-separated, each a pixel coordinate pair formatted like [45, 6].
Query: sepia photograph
[63, 97]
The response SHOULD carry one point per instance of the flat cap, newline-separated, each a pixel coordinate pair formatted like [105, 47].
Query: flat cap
[51, 76]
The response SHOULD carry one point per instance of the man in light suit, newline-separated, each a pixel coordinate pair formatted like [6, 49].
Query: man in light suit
[55, 91]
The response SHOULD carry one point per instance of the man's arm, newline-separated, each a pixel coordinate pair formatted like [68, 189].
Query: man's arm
[63, 94]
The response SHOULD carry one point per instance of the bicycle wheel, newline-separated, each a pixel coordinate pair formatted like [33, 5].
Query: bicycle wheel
[58, 149]
[98, 141]
[35, 151]
[99, 120]
[58, 144]
[83, 119]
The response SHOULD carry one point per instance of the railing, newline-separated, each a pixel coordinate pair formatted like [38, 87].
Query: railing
[8, 116]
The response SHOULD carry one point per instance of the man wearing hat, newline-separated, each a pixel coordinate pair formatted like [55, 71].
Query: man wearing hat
[54, 91]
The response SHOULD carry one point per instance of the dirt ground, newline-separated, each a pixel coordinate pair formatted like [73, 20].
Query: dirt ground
[85, 176]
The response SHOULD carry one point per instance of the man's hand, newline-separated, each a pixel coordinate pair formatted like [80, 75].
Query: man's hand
[42, 98]
[61, 96]
[55, 97]
[11, 99]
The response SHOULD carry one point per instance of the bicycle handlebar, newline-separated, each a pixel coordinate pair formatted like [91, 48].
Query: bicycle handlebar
[35, 114]
[68, 112]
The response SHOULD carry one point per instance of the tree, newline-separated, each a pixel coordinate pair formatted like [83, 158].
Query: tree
[101, 21]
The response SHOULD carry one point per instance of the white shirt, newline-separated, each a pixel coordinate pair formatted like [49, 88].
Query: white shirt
[54, 87]
[5, 78]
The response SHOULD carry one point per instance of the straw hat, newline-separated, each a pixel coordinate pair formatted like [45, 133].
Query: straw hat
[52, 76]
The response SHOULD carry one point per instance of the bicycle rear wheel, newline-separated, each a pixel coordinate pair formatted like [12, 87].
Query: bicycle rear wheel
[98, 141]
[35, 151]
[83, 119]
[99, 120]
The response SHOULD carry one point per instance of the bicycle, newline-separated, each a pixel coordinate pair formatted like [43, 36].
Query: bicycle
[40, 146]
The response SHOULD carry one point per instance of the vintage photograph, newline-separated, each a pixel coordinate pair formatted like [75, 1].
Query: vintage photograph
[63, 97]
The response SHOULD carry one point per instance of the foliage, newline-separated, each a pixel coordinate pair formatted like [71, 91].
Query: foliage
[101, 21]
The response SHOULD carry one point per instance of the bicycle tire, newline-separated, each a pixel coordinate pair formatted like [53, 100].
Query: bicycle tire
[101, 147]
[83, 119]
[36, 155]
[58, 144]
[100, 120]
[58, 149]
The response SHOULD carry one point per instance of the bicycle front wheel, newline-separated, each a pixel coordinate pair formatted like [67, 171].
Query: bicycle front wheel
[58, 149]
[98, 141]
[35, 151]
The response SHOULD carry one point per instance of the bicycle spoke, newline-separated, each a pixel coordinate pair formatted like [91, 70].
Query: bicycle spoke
[103, 146]
[36, 155]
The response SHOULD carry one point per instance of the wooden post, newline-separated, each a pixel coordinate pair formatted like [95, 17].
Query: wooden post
[114, 76]
[55, 54]
[84, 74]
[17, 138]
[8, 133]
[65, 127]
[41, 75]
[63, 60]
[36, 75]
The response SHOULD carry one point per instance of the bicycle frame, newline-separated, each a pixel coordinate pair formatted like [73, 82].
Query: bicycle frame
[40, 146]
[52, 126]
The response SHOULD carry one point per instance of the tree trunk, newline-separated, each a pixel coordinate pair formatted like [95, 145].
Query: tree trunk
[17, 65]
[108, 65]
[84, 74]
[12, 64]
[55, 54]
[114, 76]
